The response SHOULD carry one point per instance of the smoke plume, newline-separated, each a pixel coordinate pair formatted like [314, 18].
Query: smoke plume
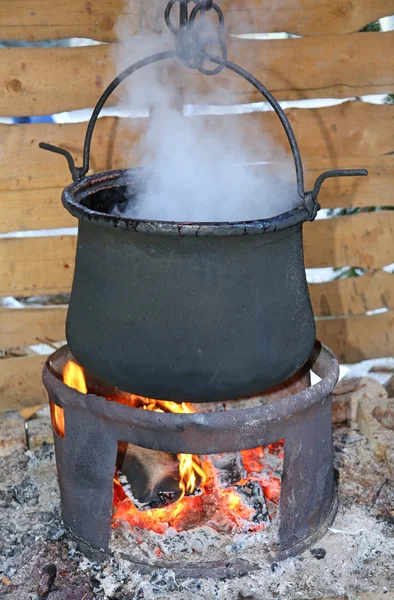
[199, 168]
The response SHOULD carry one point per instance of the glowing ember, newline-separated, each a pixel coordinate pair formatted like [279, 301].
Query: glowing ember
[229, 508]
[256, 465]
[223, 506]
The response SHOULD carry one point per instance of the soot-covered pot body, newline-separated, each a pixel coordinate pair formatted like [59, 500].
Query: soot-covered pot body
[202, 312]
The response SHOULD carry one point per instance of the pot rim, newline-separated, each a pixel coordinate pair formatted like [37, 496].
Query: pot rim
[74, 194]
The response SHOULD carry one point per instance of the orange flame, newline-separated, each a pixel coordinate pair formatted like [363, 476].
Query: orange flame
[57, 417]
[189, 511]
[190, 467]
[74, 377]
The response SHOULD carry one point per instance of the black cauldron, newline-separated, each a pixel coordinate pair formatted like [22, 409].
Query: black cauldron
[196, 312]
[187, 312]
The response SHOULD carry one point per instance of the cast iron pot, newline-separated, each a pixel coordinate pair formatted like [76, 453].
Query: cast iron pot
[187, 312]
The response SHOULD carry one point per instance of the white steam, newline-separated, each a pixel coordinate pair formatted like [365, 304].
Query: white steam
[201, 174]
[199, 168]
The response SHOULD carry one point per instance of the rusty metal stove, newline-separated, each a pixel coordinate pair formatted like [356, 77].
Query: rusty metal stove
[87, 454]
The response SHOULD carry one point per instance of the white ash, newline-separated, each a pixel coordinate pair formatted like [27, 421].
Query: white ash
[359, 552]
[359, 548]
[29, 503]
[201, 544]
[229, 467]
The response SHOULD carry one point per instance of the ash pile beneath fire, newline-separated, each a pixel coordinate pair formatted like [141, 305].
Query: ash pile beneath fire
[355, 558]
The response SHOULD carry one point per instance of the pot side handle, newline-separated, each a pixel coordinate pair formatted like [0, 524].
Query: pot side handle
[311, 198]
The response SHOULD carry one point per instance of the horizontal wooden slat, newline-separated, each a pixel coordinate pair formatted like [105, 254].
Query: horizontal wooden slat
[26, 167]
[354, 295]
[28, 326]
[36, 81]
[363, 240]
[333, 66]
[359, 338]
[303, 17]
[349, 135]
[354, 134]
[20, 382]
[26, 210]
[374, 190]
[52, 19]
[45, 265]
[30, 266]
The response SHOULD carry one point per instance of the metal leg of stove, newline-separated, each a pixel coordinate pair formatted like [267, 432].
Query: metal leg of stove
[308, 499]
[86, 463]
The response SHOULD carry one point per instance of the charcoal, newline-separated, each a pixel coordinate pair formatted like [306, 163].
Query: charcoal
[164, 578]
[46, 582]
[193, 585]
[149, 478]
[95, 583]
[45, 516]
[53, 536]
[253, 496]
[6, 498]
[319, 553]
[229, 467]
[54, 523]
[45, 451]
[27, 538]
[26, 492]
[164, 499]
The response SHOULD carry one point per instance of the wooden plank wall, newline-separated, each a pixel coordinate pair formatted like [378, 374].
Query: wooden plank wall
[331, 60]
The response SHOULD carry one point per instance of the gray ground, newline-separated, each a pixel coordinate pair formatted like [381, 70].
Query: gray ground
[355, 557]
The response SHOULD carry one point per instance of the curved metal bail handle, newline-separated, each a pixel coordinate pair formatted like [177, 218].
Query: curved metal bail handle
[109, 91]
[78, 172]
[311, 201]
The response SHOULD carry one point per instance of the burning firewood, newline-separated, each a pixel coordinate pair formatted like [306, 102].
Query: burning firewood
[147, 474]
